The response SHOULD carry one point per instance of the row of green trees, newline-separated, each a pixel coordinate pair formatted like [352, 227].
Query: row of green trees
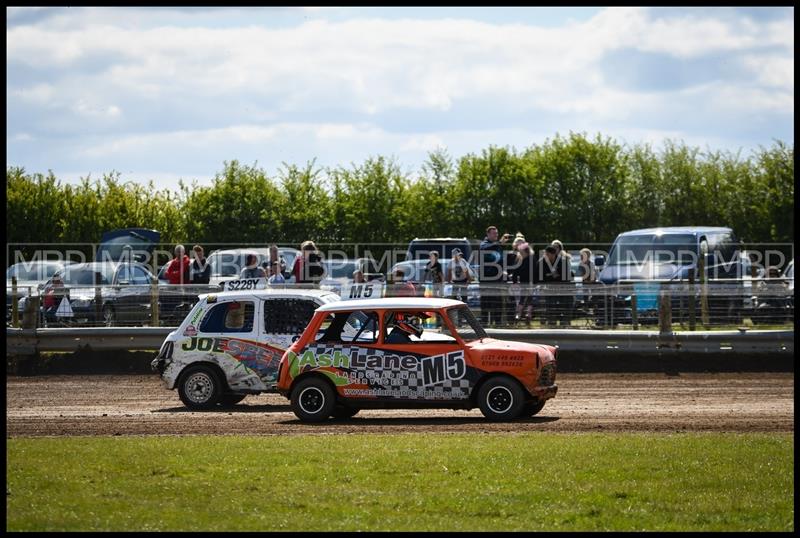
[576, 188]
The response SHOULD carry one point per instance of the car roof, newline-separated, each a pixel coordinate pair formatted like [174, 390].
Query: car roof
[678, 230]
[274, 293]
[257, 250]
[439, 239]
[43, 262]
[390, 302]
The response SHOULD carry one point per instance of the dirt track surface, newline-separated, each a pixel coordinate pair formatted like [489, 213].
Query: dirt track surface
[140, 405]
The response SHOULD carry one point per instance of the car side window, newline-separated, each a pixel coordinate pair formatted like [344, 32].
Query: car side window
[123, 275]
[139, 276]
[229, 317]
[350, 327]
[433, 329]
[287, 316]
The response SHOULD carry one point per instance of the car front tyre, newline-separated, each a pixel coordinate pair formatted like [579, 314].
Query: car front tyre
[344, 412]
[231, 399]
[533, 408]
[313, 400]
[501, 399]
[200, 388]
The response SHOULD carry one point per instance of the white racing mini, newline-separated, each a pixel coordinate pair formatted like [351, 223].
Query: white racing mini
[231, 343]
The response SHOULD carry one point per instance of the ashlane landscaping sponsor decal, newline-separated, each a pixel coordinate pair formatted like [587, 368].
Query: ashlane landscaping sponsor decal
[401, 375]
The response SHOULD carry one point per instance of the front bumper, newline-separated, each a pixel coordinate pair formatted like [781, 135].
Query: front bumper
[545, 393]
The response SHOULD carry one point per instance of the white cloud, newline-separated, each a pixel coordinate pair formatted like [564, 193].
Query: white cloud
[40, 94]
[336, 89]
[83, 108]
[374, 64]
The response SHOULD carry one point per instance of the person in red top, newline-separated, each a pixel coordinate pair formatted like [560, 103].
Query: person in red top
[307, 268]
[178, 268]
[399, 287]
[55, 294]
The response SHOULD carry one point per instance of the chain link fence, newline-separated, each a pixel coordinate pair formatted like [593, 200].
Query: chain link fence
[680, 305]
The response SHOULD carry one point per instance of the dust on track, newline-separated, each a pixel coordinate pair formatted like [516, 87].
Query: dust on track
[140, 405]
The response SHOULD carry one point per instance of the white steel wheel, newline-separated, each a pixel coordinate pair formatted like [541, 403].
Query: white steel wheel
[200, 388]
[501, 399]
[313, 400]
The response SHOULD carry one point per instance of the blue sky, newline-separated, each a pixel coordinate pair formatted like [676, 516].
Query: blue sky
[169, 93]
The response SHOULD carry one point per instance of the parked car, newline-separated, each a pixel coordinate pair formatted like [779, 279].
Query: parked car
[774, 296]
[671, 254]
[338, 274]
[141, 241]
[414, 271]
[375, 353]
[228, 264]
[30, 276]
[125, 295]
[231, 343]
[418, 249]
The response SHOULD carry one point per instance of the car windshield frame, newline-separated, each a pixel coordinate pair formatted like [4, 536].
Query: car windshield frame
[654, 248]
[107, 269]
[335, 269]
[36, 270]
[472, 321]
[443, 248]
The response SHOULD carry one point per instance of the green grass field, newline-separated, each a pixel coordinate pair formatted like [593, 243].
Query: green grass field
[403, 482]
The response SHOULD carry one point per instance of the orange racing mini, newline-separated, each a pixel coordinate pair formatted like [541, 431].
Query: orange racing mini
[411, 353]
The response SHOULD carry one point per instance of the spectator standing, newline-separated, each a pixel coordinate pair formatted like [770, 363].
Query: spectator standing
[276, 275]
[552, 271]
[307, 268]
[199, 270]
[434, 273]
[512, 261]
[524, 275]
[566, 298]
[459, 274]
[399, 287]
[252, 269]
[178, 269]
[586, 269]
[491, 275]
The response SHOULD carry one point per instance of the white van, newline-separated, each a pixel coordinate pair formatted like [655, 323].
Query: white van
[231, 343]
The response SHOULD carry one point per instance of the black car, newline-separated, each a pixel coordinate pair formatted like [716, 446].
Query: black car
[125, 296]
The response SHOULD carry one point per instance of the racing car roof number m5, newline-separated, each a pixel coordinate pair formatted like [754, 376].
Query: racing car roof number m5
[378, 353]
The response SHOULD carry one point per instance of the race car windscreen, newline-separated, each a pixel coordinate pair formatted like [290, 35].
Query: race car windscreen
[468, 327]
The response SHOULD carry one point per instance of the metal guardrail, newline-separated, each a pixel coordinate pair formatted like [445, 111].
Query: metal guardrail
[776, 341]
[30, 341]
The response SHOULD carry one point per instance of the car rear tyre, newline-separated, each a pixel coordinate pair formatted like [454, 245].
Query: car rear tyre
[228, 400]
[313, 400]
[342, 412]
[533, 408]
[501, 399]
[200, 388]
